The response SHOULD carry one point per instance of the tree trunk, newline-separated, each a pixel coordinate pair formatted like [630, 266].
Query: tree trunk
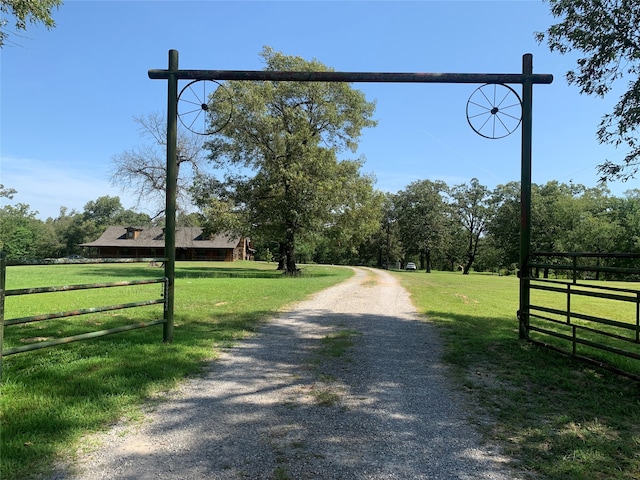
[282, 259]
[472, 250]
[427, 260]
[467, 266]
[388, 247]
[290, 253]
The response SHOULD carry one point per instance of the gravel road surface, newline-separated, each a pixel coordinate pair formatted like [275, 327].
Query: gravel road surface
[346, 385]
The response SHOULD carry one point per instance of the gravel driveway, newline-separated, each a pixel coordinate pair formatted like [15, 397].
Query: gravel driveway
[292, 403]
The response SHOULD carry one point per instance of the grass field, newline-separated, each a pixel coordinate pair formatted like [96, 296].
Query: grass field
[50, 397]
[561, 418]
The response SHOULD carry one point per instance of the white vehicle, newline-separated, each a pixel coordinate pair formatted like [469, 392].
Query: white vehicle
[410, 266]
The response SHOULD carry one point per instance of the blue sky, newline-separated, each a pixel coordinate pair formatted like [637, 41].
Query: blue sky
[69, 95]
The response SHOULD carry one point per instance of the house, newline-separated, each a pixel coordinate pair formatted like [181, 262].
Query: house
[148, 242]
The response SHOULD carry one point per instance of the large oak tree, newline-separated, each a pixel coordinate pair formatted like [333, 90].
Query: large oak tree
[472, 206]
[607, 33]
[285, 138]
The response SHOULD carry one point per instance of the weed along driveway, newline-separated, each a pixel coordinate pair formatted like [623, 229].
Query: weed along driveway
[347, 384]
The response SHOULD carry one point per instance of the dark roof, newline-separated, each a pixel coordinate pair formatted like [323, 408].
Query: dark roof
[186, 237]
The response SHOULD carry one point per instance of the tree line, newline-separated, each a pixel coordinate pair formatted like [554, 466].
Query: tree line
[461, 227]
[469, 226]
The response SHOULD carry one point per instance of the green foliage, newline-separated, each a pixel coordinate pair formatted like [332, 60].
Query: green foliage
[23, 235]
[76, 228]
[504, 226]
[472, 223]
[288, 135]
[607, 33]
[473, 210]
[7, 192]
[422, 216]
[23, 12]
[383, 248]
[565, 218]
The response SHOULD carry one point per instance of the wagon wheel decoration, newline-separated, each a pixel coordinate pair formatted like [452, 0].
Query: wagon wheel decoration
[204, 107]
[494, 110]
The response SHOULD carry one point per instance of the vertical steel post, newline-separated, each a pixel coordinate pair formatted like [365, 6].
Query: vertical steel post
[637, 317]
[171, 183]
[3, 279]
[525, 195]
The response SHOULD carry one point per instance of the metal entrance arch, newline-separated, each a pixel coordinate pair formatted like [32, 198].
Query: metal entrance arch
[526, 78]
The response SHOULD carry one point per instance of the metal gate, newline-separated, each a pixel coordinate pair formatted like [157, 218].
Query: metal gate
[582, 314]
[4, 323]
[526, 79]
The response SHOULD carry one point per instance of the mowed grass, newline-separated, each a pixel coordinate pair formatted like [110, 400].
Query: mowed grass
[50, 397]
[559, 417]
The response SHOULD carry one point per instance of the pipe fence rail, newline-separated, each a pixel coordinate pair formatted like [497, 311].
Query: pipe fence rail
[4, 293]
[581, 314]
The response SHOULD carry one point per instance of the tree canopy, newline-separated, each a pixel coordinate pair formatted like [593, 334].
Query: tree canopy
[285, 137]
[607, 32]
[422, 217]
[472, 206]
[442, 227]
[25, 12]
[142, 169]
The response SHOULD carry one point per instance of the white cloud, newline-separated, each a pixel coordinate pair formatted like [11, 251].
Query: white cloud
[46, 186]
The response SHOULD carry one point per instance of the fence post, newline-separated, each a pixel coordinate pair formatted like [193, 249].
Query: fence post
[638, 317]
[525, 196]
[3, 277]
[170, 211]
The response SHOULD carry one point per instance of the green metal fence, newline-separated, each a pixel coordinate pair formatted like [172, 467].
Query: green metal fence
[4, 323]
[588, 306]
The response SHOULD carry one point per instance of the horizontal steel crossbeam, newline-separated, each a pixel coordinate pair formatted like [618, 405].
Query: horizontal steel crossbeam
[360, 77]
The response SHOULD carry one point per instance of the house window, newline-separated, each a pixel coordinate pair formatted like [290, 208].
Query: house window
[133, 233]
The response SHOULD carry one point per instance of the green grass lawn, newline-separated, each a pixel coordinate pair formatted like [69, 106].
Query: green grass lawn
[558, 417]
[51, 397]
[561, 418]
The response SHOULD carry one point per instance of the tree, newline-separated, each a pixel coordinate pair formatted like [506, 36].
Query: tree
[422, 216]
[564, 218]
[106, 211]
[625, 214]
[386, 241]
[473, 208]
[286, 137]
[23, 235]
[356, 216]
[594, 228]
[452, 246]
[143, 169]
[23, 12]
[504, 226]
[7, 192]
[608, 34]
